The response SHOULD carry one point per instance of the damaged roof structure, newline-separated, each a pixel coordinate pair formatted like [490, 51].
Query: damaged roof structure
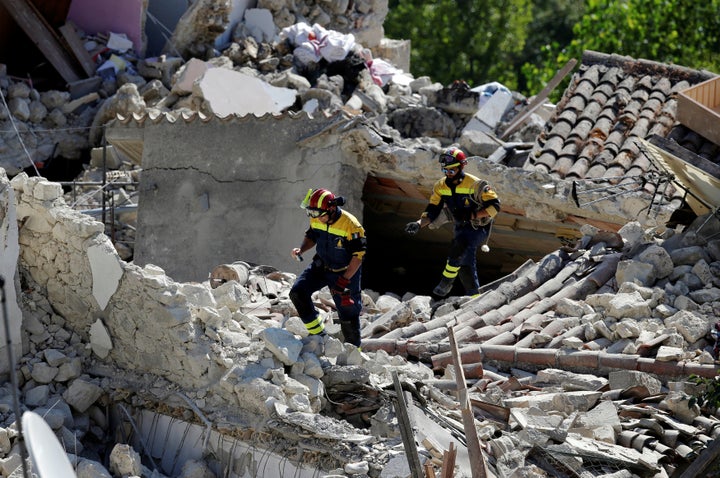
[574, 362]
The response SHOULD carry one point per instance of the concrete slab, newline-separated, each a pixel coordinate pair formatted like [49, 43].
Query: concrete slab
[229, 92]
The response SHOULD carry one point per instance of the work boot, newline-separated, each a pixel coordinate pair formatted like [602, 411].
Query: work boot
[443, 288]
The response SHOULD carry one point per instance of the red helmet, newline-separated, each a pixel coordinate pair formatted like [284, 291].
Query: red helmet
[319, 199]
[452, 157]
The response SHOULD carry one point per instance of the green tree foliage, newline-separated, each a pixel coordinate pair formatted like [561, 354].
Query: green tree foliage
[523, 43]
[709, 395]
[682, 32]
[550, 30]
[472, 40]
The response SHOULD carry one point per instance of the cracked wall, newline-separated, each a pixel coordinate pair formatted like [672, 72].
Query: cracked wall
[241, 203]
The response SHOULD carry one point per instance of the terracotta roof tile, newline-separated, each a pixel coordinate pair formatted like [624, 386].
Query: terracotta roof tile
[611, 102]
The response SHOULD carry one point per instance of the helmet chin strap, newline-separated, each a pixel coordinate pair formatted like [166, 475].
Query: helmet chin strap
[334, 215]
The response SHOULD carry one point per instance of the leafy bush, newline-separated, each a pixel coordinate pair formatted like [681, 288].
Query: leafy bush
[709, 396]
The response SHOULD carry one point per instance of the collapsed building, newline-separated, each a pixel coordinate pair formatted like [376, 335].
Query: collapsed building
[576, 358]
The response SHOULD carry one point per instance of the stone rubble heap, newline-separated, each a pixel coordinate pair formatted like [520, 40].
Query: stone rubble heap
[51, 124]
[241, 356]
[100, 333]
[404, 109]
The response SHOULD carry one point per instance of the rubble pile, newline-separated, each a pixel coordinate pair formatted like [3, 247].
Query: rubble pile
[233, 354]
[52, 124]
[577, 365]
[345, 75]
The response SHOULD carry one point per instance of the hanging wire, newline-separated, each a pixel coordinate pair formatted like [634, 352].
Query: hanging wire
[22, 143]
[142, 440]
[52, 130]
[164, 30]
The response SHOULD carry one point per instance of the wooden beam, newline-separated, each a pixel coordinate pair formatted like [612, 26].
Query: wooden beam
[408, 436]
[539, 99]
[33, 24]
[448, 465]
[705, 459]
[70, 34]
[477, 460]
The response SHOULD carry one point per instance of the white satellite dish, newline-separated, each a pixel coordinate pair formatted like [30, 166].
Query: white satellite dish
[48, 458]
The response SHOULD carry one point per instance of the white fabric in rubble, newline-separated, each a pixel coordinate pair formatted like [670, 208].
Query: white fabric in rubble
[314, 43]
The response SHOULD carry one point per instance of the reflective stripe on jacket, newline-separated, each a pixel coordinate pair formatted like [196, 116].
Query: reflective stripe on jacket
[338, 242]
[459, 199]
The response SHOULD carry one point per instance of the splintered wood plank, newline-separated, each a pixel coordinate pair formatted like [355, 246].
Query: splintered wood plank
[477, 460]
[69, 32]
[35, 27]
[448, 466]
[539, 99]
[408, 436]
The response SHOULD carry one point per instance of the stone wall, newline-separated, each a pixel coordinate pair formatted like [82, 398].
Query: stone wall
[136, 318]
[240, 203]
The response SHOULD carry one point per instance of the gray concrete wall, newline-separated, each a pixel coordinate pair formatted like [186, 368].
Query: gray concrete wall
[219, 191]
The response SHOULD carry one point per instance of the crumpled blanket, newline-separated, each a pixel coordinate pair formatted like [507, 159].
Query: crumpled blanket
[315, 43]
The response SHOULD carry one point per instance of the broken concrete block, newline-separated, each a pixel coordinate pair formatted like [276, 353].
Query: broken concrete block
[477, 141]
[124, 461]
[5, 445]
[629, 271]
[623, 379]
[570, 380]
[187, 75]
[37, 396]
[69, 370]
[604, 414]
[228, 92]
[19, 108]
[282, 344]
[12, 462]
[81, 394]
[682, 406]
[18, 90]
[669, 354]
[54, 357]
[87, 468]
[567, 402]
[254, 393]
[691, 326]
[629, 305]
[105, 157]
[493, 109]
[43, 373]
[38, 112]
[106, 272]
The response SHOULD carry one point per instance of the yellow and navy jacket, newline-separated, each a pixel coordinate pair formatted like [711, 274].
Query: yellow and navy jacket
[338, 242]
[459, 199]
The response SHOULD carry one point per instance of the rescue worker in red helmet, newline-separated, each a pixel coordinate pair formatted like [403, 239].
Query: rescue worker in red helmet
[340, 245]
[472, 219]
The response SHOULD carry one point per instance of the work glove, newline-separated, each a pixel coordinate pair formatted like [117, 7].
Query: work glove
[341, 283]
[412, 228]
[340, 288]
[346, 300]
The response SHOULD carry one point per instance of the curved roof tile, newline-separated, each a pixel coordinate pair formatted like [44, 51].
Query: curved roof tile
[611, 102]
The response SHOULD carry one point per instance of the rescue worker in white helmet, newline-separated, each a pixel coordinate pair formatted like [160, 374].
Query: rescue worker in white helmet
[340, 245]
[472, 219]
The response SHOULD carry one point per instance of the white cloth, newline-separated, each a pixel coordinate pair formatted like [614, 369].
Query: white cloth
[314, 43]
